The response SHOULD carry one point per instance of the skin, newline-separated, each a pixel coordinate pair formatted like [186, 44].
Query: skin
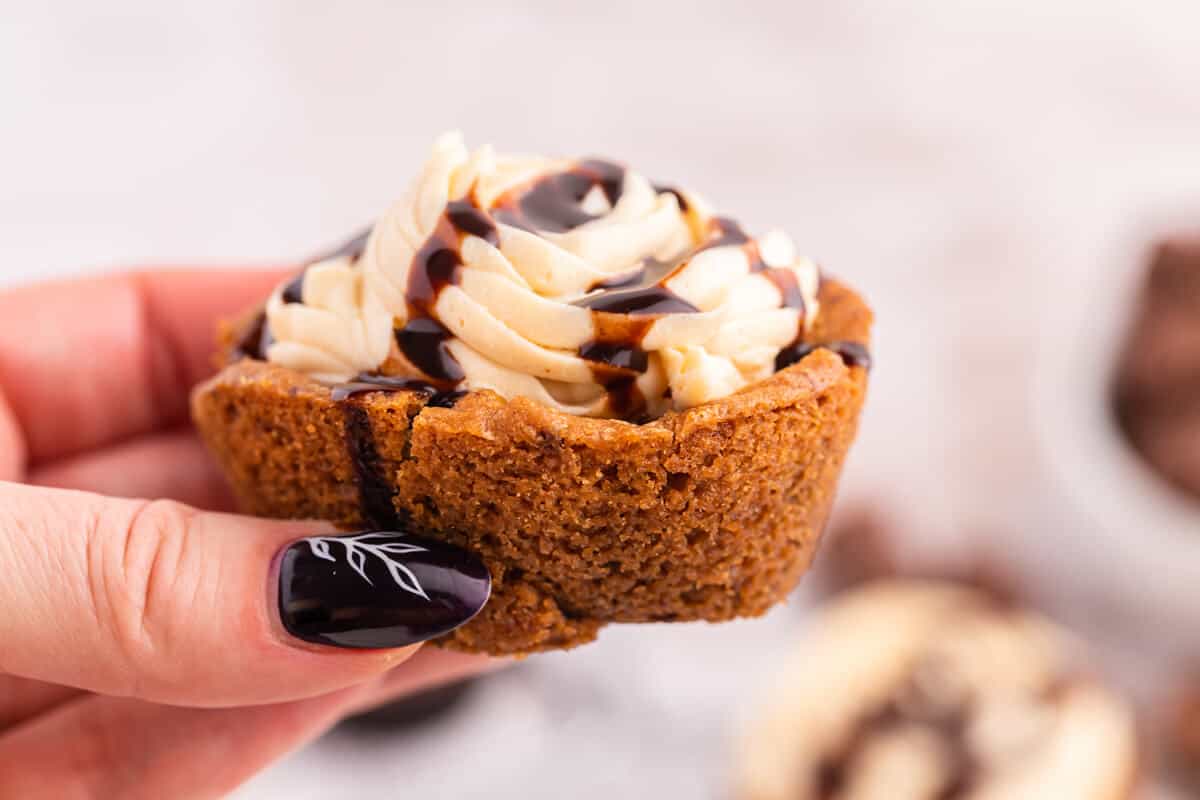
[140, 650]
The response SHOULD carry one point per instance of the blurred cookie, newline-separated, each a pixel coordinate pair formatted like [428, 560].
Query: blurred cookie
[1181, 734]
[926, 690]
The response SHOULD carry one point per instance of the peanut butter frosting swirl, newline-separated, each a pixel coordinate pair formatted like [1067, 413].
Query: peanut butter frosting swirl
[576, 283]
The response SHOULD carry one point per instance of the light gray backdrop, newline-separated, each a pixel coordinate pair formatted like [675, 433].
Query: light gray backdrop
[952, 159]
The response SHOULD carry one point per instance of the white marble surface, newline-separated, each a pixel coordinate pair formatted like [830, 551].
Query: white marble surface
[965, 163]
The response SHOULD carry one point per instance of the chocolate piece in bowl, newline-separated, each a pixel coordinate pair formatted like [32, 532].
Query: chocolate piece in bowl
[629, 407]
[1156, 395]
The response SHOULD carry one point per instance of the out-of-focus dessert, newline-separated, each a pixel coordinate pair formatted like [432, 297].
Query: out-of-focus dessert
[928, 690]
[630, 408]
[1179, 729]
[864, 545]
[1156, 397]
[927, 677]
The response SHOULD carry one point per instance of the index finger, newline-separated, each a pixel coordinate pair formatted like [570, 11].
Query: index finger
[89, 362]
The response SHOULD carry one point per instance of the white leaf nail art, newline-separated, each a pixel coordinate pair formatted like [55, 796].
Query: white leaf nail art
[400, 548]
[368, 544]
[358, 560]
[320, 549]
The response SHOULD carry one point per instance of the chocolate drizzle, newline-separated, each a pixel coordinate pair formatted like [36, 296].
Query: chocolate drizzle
[728, 232]
[616, 358]
[423, 342]
[621, 320]
[467, 218]
[615, 354]
[375, 491]
[439, 261]
[257, 337]
[438, 264]
[553, 203]
[663, 189]
[370, 382]
[293, 291]
[435, 266]
[789, 288]
[650, 300]
[254, 342]
[626, 306]
[854, 354]
[352, 248]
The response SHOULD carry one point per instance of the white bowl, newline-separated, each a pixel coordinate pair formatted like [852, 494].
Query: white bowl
[1132, 539]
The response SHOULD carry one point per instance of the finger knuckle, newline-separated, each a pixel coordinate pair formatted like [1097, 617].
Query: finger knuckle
[138, 573]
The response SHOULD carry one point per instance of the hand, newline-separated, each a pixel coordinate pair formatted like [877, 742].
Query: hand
[142, 652]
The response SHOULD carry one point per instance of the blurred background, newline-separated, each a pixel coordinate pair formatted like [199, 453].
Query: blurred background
[992, 175]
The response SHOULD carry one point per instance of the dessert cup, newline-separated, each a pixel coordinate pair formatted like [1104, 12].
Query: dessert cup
[709, 513]
[627, 406]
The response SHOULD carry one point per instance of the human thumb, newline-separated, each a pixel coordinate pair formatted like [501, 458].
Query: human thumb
[157, 600]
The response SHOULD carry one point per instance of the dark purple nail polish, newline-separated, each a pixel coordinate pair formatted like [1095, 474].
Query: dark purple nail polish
[378, 589]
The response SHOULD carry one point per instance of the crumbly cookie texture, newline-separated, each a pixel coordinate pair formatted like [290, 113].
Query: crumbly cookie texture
[706, 514]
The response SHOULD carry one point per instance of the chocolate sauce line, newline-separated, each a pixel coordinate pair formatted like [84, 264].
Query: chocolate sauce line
[618, 355]
[376, 494]
[257, 338]
[254, 341]
[789, 288]
[368, 382]
[618, 339]
[552, 203]
[623, 310]
[436, 265]
[644, 292]
[664, 189]
[853, 354]
[375, 491]
[352, 248]
[423, 341]
[293, 291]
[617, 343]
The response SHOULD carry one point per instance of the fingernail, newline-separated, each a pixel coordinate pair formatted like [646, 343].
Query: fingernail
[378, 589]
